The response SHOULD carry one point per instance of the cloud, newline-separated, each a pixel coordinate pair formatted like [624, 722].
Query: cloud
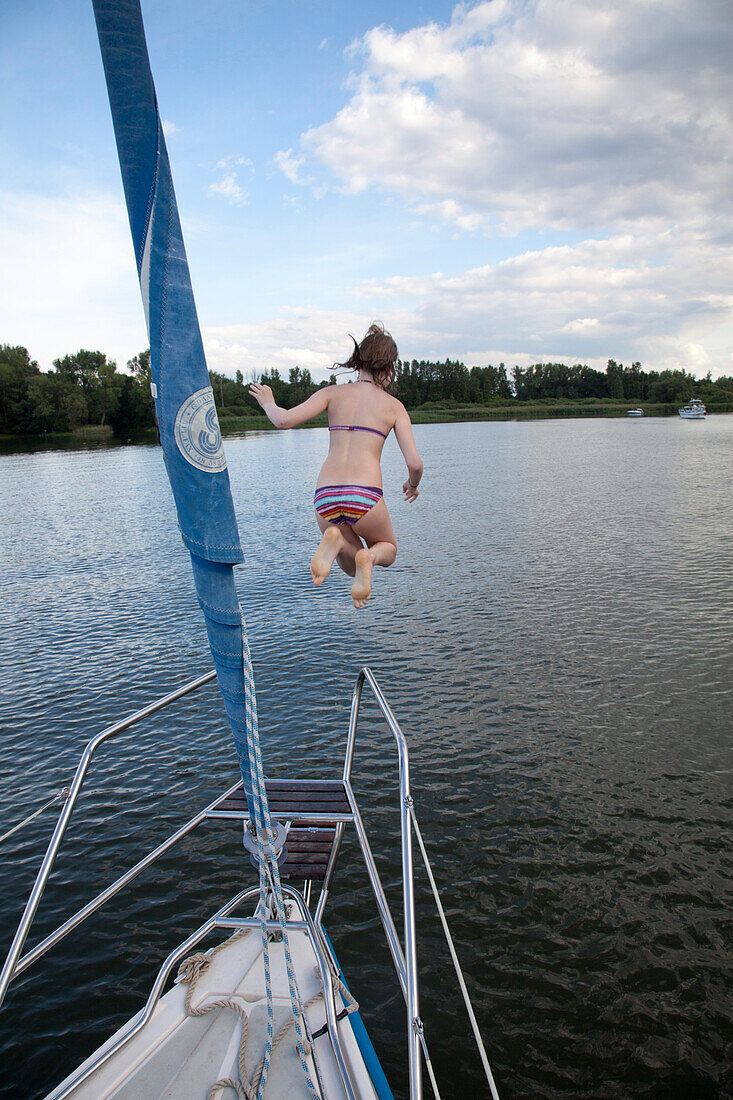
[228, 186]
[628, 297]
[562, 113]
[631, 296]
[610, 122]
[235, 161]
[654, 297]
[290, 164]
[69, 280]
[581, 324]
[304, 337]
[170, 128]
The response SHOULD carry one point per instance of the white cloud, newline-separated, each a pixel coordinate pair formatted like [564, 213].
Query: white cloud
[580, 324]
[564, 113]
[301, 337]
[610, 119]
[663, 298]
[448, 210]
[233, 162]
[607, 119]
[628, 297]
[228, 186]
[290, 164]
[72, 283]
[69, 279]
[170, 128]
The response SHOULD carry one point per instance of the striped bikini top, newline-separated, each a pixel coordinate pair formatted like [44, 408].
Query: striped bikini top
[355, 428]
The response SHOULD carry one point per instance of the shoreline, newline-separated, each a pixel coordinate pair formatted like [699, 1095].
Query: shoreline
[232, 426]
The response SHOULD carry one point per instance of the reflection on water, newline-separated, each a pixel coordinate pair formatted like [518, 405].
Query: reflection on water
[555, 639]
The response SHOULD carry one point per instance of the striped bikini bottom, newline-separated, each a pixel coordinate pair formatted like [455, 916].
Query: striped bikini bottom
[342, 504]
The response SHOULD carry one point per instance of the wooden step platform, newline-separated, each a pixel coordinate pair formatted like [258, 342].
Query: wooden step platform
[314, 806]
[308, 853]
[308, 801]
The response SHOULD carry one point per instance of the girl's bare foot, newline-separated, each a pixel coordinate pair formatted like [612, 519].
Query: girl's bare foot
[361, 589]
[330, 546]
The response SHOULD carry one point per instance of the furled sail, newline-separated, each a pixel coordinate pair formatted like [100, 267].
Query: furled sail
[184, 401]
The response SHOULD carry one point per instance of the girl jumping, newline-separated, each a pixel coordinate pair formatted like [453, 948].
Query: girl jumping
[349, 503]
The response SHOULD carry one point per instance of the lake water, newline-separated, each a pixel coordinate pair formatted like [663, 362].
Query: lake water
[555, 638]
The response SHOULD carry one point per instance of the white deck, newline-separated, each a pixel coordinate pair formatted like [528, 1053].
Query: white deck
[179, 1057]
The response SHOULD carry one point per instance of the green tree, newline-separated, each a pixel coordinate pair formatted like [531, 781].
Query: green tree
[614, 373]
[94, 375]
[139, 367]
[17, 372]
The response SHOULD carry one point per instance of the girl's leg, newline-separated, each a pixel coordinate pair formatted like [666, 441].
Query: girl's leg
[377, 531]
[338, 544]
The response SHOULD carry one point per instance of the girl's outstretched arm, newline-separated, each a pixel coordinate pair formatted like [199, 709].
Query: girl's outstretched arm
[290, 418]
[406, 442]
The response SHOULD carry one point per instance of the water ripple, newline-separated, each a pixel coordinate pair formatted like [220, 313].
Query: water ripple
[555, 639]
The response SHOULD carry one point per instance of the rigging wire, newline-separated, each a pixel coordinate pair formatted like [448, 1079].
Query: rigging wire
[60, 796]
[456, 964]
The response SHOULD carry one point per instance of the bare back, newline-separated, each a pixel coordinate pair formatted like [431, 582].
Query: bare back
[349, 506]
[354, 456]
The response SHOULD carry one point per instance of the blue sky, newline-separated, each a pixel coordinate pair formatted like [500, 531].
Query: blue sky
[510, 181]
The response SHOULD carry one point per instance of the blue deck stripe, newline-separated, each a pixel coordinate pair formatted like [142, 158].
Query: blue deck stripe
[366, 1048]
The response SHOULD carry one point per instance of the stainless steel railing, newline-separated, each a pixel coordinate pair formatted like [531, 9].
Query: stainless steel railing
[405, 963]
[405, 960]
[10, 969]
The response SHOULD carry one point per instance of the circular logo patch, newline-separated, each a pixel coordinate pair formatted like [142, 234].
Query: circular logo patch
[197, 432]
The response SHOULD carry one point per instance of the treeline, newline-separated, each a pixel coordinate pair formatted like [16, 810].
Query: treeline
[552, 381]
[83, 390]
[86, 389]
[423, 382]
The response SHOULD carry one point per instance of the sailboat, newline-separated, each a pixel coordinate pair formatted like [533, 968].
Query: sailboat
[254, 1003]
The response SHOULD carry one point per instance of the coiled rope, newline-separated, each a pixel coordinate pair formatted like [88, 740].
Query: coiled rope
[188, 974]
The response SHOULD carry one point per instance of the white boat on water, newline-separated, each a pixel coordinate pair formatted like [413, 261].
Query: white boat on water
[693, 410]
[635, 412]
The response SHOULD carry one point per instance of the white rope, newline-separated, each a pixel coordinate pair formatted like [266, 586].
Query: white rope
[269, 871]
[271, 895]
[188, 974]
[61, 796]
[456, 964]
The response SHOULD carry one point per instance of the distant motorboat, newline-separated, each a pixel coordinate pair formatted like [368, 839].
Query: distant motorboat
[635, 412]
[693, 410]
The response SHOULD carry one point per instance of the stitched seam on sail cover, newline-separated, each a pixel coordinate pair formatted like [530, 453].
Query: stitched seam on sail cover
[151, 196]
[212, 545]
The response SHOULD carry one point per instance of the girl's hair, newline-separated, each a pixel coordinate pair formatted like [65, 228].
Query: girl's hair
[376, 353]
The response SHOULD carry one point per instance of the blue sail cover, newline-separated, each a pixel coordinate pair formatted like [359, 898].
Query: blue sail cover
[184, 401]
